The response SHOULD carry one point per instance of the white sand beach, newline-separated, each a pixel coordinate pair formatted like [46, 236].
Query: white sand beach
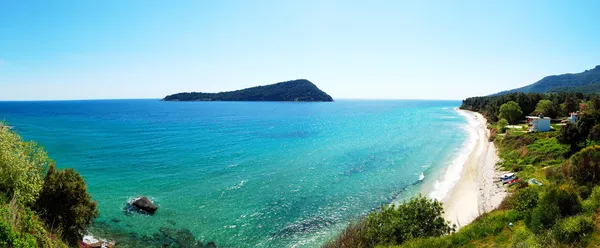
[476, 192]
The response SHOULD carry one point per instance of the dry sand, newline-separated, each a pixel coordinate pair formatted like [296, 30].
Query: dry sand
[476, 192]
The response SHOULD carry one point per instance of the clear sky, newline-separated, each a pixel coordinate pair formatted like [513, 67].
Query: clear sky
[350, 49]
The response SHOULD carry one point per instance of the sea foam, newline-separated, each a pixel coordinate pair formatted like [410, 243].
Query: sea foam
[452, 175]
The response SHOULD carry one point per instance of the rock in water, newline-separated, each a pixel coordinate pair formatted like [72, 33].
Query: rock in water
[145, 204]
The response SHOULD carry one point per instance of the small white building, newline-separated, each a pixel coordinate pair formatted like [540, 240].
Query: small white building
[573, 118]
[538, 124]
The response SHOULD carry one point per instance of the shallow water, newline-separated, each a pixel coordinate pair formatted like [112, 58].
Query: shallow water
[246, 174]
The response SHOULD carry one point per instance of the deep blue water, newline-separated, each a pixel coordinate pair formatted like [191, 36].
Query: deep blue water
[245, 174]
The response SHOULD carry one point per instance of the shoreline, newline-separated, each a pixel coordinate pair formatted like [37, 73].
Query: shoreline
[475, 192]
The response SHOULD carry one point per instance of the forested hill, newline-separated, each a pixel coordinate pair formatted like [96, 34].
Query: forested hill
[300, 90]
[584, 82]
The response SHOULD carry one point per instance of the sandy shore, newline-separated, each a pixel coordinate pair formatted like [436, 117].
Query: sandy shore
[476, 192]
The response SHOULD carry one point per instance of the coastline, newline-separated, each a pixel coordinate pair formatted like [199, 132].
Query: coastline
[475, 193]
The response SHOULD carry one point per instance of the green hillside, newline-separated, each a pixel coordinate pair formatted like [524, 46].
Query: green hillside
[584, 82]
[300, 90]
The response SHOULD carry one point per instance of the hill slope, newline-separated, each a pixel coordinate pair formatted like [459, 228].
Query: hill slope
[571, 82]
[300, 90]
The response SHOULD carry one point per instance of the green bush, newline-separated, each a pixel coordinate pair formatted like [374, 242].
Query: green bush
[573, 229]
[543, 217]
[525, 200]
[419, 217]
[22, 165]
[65, 203]
[502, 123]
[554, 204]
[592, 203]
[584, 166]
[523, 238]
[595, 133]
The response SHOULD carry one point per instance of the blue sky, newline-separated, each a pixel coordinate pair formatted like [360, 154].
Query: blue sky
[350, 49]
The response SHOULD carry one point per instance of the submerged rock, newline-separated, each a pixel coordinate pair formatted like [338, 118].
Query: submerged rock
[142, 204]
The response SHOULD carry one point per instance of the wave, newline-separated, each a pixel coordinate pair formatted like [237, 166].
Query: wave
[453, 172]
[237, 186]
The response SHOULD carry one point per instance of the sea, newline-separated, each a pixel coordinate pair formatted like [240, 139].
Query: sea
[248, 174]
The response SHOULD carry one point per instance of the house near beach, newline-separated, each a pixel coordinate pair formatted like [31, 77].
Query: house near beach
[573, 117]
[538, 123]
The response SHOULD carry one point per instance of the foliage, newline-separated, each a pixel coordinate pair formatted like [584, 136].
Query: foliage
[570, 104]
[502, 123]
[21, 166]
[523, 201]
[555, 203]
[571, 136]
[486, 225]
[592, 203]
[419, 217]
[573, 229]
[300, 90]
[595, 133]
[20, 227]
[510, 111]
[584, 166]
[65, 202]
[547, 108]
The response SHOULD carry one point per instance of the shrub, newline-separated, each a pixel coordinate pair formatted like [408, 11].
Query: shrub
[570, 135]
[555, 203]
[502, 123]
[525, 200]
[592, 203]
[523, 238]
[584, 166]
[595, 133]
[22, 165]
[573, 229]
[542, 217]
[419, 217]
[65, 203]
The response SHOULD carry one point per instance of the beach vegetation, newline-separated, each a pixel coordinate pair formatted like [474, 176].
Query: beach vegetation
[584, 166]
[573, 229]
[510, 111]
[394, 224]
[65, 203]
[31, 190]
[501, 125]
[22, 165]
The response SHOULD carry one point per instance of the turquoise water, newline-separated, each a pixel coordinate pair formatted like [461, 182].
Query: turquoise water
[245, 174]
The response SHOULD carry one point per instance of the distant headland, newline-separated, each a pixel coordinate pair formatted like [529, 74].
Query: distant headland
[300, 90]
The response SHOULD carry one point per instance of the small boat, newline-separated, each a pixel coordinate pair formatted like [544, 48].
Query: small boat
[507, 176]
[421, 177]
[534, 182]
[513, 181]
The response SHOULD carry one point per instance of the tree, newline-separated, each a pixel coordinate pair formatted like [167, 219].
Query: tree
[584, 166]
[21, 166]
[420, 217]
[595, 133]
[570, 105]
[546, 107]
[65, 203]
[570, 135]
[510, 111]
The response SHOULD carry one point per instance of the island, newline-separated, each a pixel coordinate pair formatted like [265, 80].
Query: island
[300, 90]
